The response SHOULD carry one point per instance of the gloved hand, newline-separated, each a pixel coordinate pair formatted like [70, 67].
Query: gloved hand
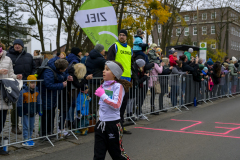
[100, 91]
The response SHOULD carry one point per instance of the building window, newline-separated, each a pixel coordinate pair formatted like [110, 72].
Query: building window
[159, 42]
[186, 31]
[178, 31]
[231, 44]
[232, 30]
[194, 43]
[213, 15]
[194, 30]
[159, 28]
[178, 19]
[204, 30]
[213, 45]
[195, 17]
[204, 16]
[186, 18]
[212, 29]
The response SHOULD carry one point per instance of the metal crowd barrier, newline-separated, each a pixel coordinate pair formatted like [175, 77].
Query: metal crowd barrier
[69, 112]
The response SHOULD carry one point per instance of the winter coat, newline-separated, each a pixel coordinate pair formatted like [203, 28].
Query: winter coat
[28, 102]
[83, 101]
[6, 63]
[215, 77]
[172, 60]
[95, 63]
[38, 60]
[53, 87]
[138, 43]
[223, 79]
[152, 57]
[175, 79]
[25, 65]
[164, 79]
[83, 60]
[72, 58]
[232, 68]
[188, 55]
[154, 74]
[188, 68]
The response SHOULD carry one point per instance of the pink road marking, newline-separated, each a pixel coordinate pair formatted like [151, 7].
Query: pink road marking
[228, 123]
[196, 123]
[176, 131]
[230, 130]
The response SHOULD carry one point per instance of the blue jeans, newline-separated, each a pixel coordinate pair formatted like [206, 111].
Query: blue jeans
[28, 125]
[70, 114]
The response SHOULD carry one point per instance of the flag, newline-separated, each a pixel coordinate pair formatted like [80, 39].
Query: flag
[98, 20]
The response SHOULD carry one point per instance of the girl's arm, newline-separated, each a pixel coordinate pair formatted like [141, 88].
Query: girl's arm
[117, 98]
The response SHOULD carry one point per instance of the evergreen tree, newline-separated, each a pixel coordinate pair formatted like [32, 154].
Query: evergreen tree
[11, 26]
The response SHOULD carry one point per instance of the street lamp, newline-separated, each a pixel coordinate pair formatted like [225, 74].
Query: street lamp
[50, 44]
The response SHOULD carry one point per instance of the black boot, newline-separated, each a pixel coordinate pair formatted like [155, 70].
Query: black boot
[2, 152]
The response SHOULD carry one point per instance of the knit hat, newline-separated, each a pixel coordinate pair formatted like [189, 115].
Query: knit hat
[210, 59]
[123, 31]
[210, 63]
[153, 45]
[205, 68]
[115, 69]
[201, 66]
[99, 48]
[84, 87]
[234, 59]
[18, 41]
[140, 62]
[31, 77]
[190, 50]
[172, 49]
[139, 31]
[75, 50]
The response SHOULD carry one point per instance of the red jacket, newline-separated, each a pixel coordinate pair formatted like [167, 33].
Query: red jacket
[172, 60]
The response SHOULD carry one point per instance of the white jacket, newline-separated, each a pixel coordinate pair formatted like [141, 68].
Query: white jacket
[111, 101]
[6, 63]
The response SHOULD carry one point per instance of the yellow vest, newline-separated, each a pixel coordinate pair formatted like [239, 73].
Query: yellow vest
[124, 56]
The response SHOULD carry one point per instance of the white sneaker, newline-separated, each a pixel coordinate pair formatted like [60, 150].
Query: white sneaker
[142, 117]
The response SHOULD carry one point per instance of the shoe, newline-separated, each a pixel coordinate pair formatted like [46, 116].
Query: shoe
[84, 131]
[125, 131]
[78, 132]
[142, 117]
[155, 113]
[28, 144]
[14, 130]
[31, 142]
[2, 152]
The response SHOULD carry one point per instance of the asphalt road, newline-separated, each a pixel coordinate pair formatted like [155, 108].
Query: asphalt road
[205, 133]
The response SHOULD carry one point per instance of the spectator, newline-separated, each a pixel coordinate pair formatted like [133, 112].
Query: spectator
[51, 87]
[200, 61]
[126, 60]
[27, 106]
[188, 54]
[233, 75]
[216, 76]
[24, 64]
[63, 55]
[75, 56]
[95, 65]
[84, 59]
[138, 44]
[6, 71]
[37, 58]
[159, 53]
[226, 60]
[223, 81]
[173, 58]
[153, 57]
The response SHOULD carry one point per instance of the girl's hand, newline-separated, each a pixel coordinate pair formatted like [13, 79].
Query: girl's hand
[171, 67]
[147, 74]
[90, 76]
[70, 78]
[100, 91]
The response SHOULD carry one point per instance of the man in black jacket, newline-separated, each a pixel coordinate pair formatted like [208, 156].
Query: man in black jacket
[24, 64]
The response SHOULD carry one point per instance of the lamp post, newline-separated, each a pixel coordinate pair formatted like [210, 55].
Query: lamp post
[50, 44]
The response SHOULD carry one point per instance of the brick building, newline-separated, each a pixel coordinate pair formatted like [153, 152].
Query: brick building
[220, 27]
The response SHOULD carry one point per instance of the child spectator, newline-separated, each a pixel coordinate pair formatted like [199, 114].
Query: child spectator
[27, 106]
[83, 100]
[108, 130]
[63, 55]
[173, 58]
[205, 73]
[188, 54]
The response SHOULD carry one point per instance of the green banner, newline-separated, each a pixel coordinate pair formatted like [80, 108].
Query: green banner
[98, 20]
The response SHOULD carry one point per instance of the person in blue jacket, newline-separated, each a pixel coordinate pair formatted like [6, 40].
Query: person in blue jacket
[138, 45]
[83, 101]
[75, 56]
[50, 89]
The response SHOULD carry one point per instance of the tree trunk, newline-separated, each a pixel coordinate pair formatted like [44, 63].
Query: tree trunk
[121, 16]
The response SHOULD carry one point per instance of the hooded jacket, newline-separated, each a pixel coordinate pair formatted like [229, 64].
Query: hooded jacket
[51, 88]
[72, 58]
[25, 65]
[188, 54]
[138, 43]
[172, 60]
[152, 57]
[28, 102]
[95, 63]
[38, 60]
[6, 63]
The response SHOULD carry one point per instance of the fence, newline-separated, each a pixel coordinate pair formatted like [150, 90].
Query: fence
[41, 113]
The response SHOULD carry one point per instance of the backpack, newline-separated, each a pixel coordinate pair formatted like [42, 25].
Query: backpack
[210, 84]
[41, 69]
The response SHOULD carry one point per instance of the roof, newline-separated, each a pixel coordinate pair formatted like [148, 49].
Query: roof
[60, 47]
[46, 52]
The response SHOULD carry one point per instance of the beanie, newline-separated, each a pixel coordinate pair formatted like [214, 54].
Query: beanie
[18, 41]
[84, 87]
[99, 48]
[140, 62]
[173, 49]
[205, 68]
[31, 77]
[75, 50]
[123, 31]
[115, 69]
[190, 50]
[210, 63]
[234, 59]
[153, 45]
[139, 31]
